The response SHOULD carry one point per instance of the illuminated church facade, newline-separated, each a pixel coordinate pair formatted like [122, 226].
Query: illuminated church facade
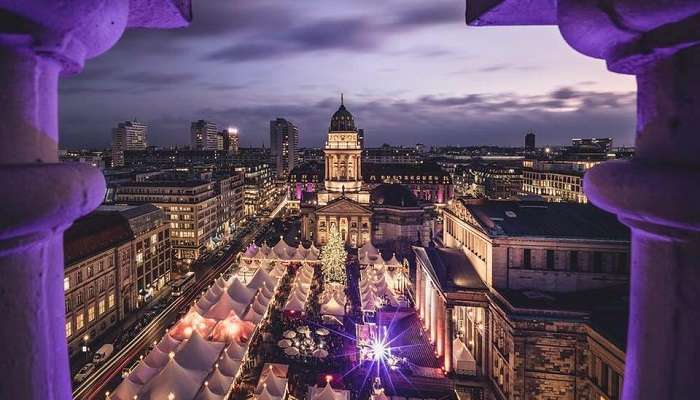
[342, 205]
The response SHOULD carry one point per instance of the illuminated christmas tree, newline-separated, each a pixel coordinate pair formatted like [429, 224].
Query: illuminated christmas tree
[333, 256]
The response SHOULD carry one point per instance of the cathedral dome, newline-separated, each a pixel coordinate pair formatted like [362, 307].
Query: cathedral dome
[342, 120]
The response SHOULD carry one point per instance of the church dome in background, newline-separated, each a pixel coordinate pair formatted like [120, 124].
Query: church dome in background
[342, 120]
[393, 195]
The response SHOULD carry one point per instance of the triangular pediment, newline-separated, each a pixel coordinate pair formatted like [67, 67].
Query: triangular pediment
[343, 205]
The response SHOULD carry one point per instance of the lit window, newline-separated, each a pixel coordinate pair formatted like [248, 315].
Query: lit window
[139, 258]
[101, 307]
[79, 322]
[110, 299]
[91, 313]
[66, 283]
[69, 329]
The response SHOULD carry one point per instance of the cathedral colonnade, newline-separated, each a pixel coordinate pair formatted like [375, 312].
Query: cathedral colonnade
[40, 41]
[655, 194]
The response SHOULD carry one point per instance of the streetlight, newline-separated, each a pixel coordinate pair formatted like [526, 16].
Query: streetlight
[85, 348]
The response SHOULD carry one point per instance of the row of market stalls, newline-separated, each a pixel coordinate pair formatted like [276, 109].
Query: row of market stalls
[273, 381]
[201, 356]
[300, 291]
[333, 300]
[382, 283]
[264, 255]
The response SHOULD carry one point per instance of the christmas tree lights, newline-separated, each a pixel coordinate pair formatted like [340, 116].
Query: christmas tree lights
[333, 257]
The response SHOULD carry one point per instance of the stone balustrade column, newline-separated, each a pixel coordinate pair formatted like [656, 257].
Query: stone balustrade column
[449, 337]
[657, 193]
[41, 197]
[658, 196]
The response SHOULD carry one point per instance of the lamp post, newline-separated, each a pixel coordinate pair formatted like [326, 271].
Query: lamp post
[85, 347]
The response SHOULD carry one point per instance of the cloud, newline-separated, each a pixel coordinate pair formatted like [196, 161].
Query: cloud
[150, 78]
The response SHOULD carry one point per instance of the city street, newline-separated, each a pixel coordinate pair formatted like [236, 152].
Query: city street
[108, 375]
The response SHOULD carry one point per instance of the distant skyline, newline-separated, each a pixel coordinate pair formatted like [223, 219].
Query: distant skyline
[411, 72]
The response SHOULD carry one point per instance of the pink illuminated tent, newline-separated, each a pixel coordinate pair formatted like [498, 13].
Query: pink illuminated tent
[232, 328]
[190, 323]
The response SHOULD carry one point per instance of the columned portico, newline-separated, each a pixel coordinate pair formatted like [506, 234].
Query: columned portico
[656, 193]
[41, 197]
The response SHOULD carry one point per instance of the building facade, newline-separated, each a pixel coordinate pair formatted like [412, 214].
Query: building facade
[204, 135]
[557, 181]
[284, 142]
[117, 258]
[128, 136]
[522, 305]
[259, 187]
[232, 140]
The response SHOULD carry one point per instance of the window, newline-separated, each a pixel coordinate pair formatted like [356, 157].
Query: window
[110, 300]
[69, 329]
[90, 271]
[66, 283]
[91, 292]
[139, 258]
[91, 313]
[79, 322]
[573, 260]
[80, 276]
[527, 262]
[68, 308]
[550, 259]
[80, 300]
[101, 307]
[614, 386]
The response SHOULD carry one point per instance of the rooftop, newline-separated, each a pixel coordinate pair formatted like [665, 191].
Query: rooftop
[543, 219]
[451, 268]
[93, 234]
[393, 195]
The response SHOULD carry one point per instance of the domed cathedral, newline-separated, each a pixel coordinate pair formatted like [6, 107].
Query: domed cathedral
[343, 159]
[342, 205]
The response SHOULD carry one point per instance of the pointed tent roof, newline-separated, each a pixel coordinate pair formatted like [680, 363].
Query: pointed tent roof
[156, 358]
[393, 261]
[260, 277]
[229, 366]
[224, 306]
[207, 394]
[265, 395]
[236, 350]
[253, 316]
[327, 393]
[181, 382]
[143, 372]
[204, 304]
[126, 390]
[168, 343]
[266, 291]
[277, 386]
[231, 329]
[332, 307]
[240, 292]
[294, 304]
[198, 353]
[218, 382]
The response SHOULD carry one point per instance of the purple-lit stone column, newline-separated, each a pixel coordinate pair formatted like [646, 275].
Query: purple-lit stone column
[40, 197]
[658, 196]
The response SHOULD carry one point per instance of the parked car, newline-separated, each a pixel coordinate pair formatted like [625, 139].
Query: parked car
[103, 353]
[84, 372]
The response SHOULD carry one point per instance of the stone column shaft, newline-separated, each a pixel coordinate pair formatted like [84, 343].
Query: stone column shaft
[449, 337]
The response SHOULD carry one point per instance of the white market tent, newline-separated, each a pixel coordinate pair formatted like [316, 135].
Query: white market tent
[463, 359]
[181, 382]
[328, 393]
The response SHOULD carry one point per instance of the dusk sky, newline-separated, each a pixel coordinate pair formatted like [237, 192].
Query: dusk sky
[411, 71]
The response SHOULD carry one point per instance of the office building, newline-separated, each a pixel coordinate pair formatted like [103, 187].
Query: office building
[530, 141]
[232, 140]
[128, 135]
[284, 142]
[205, 136]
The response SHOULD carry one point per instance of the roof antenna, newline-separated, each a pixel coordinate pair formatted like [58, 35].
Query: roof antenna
[341, 99]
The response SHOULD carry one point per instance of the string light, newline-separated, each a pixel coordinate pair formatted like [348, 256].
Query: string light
[333, 256]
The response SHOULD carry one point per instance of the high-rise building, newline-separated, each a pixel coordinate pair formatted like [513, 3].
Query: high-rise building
[592, 145]
[232, 141]
[128, 135]
[284, 141]
[530, 141]
[205, 136]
